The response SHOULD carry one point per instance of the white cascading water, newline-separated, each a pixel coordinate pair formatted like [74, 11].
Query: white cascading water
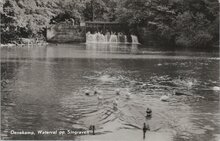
[134, 39]
[126, 40]
[113, 39]
[109, 38]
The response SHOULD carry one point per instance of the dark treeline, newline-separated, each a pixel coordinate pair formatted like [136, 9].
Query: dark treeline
[187, 23]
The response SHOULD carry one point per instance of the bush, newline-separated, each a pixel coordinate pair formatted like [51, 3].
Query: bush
[183, 41]
[200, 39]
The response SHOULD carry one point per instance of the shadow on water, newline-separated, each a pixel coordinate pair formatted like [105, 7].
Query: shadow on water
[46, 91]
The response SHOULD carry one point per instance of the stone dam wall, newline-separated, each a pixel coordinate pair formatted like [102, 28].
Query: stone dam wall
[66, 33]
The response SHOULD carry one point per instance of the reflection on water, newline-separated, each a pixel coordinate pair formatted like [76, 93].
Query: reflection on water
[45, 90]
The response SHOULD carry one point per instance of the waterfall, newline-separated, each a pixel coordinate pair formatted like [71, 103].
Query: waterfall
[109, 38]
[134, 39]
[126, 40]
[113, 39]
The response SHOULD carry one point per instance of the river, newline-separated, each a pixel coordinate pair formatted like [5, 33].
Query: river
[44, 89]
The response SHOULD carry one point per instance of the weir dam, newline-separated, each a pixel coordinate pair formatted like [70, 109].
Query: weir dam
[91, 32]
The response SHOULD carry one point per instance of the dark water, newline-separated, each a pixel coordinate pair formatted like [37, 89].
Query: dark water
[44, 90]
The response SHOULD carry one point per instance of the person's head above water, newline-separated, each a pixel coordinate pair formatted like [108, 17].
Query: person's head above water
[87, 92]
[117, 91]
[148, 110]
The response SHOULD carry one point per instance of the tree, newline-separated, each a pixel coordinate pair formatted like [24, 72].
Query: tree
[8, 23]
[94, 10]
[185, 22]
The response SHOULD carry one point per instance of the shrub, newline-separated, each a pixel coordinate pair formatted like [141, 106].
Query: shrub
[201, 39]
[183, 41]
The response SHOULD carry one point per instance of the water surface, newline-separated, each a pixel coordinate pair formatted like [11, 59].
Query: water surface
[45, 88]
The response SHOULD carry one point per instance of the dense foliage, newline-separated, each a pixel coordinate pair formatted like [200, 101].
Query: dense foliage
[188, 23]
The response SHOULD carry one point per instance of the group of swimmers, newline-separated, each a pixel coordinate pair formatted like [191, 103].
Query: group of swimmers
[115, 105]
[99, 96]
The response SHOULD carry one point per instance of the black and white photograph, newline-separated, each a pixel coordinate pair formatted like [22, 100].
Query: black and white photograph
[110, 70]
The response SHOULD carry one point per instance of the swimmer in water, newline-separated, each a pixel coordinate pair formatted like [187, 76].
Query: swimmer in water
[148, 113]
[96, 91]
[87, 93]
[145, 128]
[128, 95]
[115, 104]
[117, 91]
[99, 96]
[165, 98]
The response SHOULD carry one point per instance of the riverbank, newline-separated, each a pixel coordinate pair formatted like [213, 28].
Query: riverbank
[27, 43]
[23, 45]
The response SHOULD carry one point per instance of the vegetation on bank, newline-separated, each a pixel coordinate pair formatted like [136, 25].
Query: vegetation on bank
[187, 23]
